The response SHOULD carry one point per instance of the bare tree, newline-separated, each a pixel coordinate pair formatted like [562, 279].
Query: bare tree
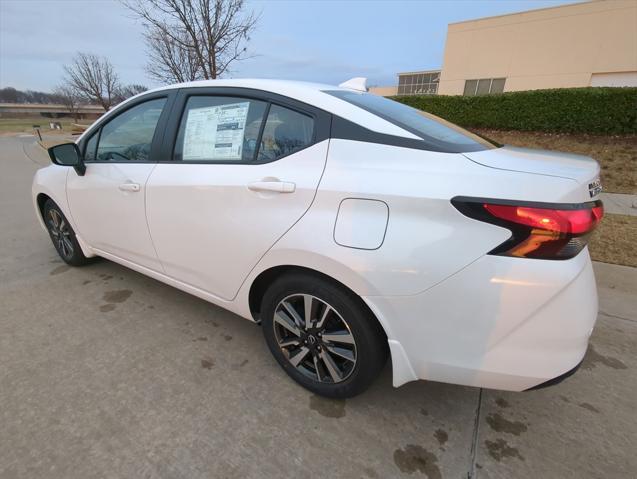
[169, 61]
[128, 91]
[11, 95]
[193, 39]
[93, 78]
[69, 98]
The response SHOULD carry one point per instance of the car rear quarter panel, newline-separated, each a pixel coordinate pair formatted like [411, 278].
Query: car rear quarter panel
[429, 243]
[427, 239]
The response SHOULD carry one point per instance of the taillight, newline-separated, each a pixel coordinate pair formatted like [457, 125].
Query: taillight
[538, 230]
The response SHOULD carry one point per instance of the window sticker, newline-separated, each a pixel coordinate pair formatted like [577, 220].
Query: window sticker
[215, 132]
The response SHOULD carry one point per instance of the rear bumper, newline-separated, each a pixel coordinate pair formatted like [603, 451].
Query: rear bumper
[558, 379]
[501, 323]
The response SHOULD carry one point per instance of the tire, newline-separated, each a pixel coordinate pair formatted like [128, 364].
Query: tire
[341, 353]
[63, 236]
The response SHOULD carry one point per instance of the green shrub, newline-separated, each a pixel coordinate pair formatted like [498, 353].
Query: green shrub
[599, 110]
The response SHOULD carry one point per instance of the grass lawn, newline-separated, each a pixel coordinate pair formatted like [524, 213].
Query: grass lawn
[615, 240]
[25, 125]
[617, 155]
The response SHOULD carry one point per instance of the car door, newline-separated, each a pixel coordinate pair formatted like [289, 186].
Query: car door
[245, 168]
[108, 202]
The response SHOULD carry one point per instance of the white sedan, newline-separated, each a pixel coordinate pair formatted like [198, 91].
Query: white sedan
[350, 226]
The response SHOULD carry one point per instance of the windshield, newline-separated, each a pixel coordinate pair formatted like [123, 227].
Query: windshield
[442, 135]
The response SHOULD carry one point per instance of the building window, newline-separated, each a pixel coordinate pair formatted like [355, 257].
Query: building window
[425, 83]
[470, 87]
[484, 86]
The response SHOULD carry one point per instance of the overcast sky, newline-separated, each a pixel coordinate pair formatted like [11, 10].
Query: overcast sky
[325, 41]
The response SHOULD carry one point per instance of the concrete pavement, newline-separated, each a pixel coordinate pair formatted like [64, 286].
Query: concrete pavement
[619, 203]
[107, 373]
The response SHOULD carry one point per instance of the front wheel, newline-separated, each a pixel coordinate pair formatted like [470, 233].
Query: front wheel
[322, 335]
[62, 235]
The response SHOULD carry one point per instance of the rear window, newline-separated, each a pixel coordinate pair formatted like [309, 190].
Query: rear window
[442, 135]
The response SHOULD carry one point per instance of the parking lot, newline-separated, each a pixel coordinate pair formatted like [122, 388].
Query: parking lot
[107, 373]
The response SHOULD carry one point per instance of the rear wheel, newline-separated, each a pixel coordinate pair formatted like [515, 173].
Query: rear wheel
[322, 335]
[62, 235]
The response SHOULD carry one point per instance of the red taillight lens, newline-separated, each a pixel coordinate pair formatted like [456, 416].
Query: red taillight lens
[546, 231]
[562, 221]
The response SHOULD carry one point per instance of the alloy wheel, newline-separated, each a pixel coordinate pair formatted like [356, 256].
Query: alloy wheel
[314, 338]
[60, 233]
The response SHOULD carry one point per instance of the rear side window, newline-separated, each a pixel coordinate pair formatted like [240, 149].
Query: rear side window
[128, 136]
[285, 132]
[231, 129]
[217, 128]
[441, 134]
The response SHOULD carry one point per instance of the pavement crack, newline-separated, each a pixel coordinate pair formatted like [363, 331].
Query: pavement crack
[608, 315]
[474, 441]
[27, 155]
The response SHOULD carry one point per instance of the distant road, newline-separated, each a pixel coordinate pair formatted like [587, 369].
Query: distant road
[46, 109]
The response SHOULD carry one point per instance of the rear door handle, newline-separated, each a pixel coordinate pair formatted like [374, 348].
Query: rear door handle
[130, 187]
[275, 186]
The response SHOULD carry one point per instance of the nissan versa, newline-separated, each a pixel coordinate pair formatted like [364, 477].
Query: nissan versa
[350, 226]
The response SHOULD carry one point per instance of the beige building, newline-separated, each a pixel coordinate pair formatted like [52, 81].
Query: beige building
[418, 83]
[577, 45]
[384, 90]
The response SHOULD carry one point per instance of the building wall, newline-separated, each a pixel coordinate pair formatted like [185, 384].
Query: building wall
[614, 79]
[384, 90]
[557, 47]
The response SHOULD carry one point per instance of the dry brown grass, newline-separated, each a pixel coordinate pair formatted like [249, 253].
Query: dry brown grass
[615, 240]
[617, 155]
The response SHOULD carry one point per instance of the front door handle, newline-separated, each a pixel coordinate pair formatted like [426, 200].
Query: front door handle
[275, 186]
[130, 187]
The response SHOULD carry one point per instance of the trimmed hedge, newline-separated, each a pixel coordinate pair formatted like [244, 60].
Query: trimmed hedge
[599, 110]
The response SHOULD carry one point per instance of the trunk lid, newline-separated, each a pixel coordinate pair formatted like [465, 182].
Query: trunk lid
[582, 169]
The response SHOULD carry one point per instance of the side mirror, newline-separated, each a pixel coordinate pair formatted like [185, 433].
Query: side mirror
[68, 154]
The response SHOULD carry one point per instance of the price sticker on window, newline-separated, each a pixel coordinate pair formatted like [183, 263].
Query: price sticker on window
[215, 132]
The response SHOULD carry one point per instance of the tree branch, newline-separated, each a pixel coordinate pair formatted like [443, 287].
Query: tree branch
[193, 39]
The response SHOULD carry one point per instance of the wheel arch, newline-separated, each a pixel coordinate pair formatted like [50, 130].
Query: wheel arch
[40, 199]
[38, 202]
[265, 278]
[50, 183]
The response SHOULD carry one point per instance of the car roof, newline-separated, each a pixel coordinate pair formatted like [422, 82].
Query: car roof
[266, 84]
[307, 92]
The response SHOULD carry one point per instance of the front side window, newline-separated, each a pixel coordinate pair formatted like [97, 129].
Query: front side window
[444, 135]
[128, 136]
[91, 144]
